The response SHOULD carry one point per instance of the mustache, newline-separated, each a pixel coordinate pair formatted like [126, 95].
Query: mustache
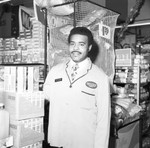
[75, 52]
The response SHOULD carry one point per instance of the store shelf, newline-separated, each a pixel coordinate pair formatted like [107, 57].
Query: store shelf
[22, 64]
[133, 80]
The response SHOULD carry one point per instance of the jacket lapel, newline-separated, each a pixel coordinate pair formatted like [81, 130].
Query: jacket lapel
[81, 73]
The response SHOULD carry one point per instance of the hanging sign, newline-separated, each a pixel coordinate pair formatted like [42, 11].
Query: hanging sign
[123, 57]
[26, 23]
[104, 31]
[24, 18]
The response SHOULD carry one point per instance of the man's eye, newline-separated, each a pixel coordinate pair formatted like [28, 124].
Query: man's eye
[82, 44]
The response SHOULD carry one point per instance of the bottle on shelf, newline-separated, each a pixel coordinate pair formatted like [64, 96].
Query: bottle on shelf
[4, 122]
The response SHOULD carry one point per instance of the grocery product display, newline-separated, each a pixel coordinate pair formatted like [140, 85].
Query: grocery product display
[22, 78]
[130, 102]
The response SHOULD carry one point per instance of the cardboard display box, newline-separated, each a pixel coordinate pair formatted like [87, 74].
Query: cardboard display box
[128, 136]
[26, 132]
[24, 105]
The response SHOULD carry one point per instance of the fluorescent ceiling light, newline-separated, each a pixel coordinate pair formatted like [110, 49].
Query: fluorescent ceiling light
[4, 1]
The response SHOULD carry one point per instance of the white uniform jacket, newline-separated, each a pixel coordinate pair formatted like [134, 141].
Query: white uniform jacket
[79, 114]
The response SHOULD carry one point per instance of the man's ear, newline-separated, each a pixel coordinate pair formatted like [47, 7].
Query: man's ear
[90, 47]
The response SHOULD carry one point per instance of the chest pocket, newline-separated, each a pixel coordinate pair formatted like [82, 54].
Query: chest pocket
[88, 99]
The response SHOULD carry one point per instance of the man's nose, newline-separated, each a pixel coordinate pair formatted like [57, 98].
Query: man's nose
[76, 47]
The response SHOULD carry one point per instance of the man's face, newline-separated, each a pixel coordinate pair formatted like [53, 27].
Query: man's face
[79, 47]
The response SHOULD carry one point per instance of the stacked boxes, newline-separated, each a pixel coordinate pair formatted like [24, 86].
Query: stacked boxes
[25, 103]
[26, 117]
[27, 132]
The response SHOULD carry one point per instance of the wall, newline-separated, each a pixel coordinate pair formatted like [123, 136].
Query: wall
[120, 6]
[100, 2]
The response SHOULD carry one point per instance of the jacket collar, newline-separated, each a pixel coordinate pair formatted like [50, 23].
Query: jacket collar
[85, 66]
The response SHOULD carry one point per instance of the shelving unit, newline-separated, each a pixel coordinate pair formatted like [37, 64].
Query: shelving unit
[131, 83]
[21, 83]
[145, 103]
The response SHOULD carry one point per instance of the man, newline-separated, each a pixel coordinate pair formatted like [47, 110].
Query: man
[79, 114]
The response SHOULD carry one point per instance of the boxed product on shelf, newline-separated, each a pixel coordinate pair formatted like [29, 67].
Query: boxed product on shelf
[26, 132]
[24, 55]
[1, 56]
[35, 75]
[24, 105]
[6, 78]
[35, 145]
[22, 78]
[1, 78]
[33, 79]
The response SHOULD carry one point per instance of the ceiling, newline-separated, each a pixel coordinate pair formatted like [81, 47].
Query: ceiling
[123, 9]
[27, 3]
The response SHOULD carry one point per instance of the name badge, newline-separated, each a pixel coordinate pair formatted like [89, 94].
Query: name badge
[58, 80]
[91, 84]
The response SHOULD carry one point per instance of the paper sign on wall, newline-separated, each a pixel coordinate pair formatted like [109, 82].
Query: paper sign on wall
[123, 57]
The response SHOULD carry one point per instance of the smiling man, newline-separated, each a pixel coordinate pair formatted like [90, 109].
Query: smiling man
[79, 95]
